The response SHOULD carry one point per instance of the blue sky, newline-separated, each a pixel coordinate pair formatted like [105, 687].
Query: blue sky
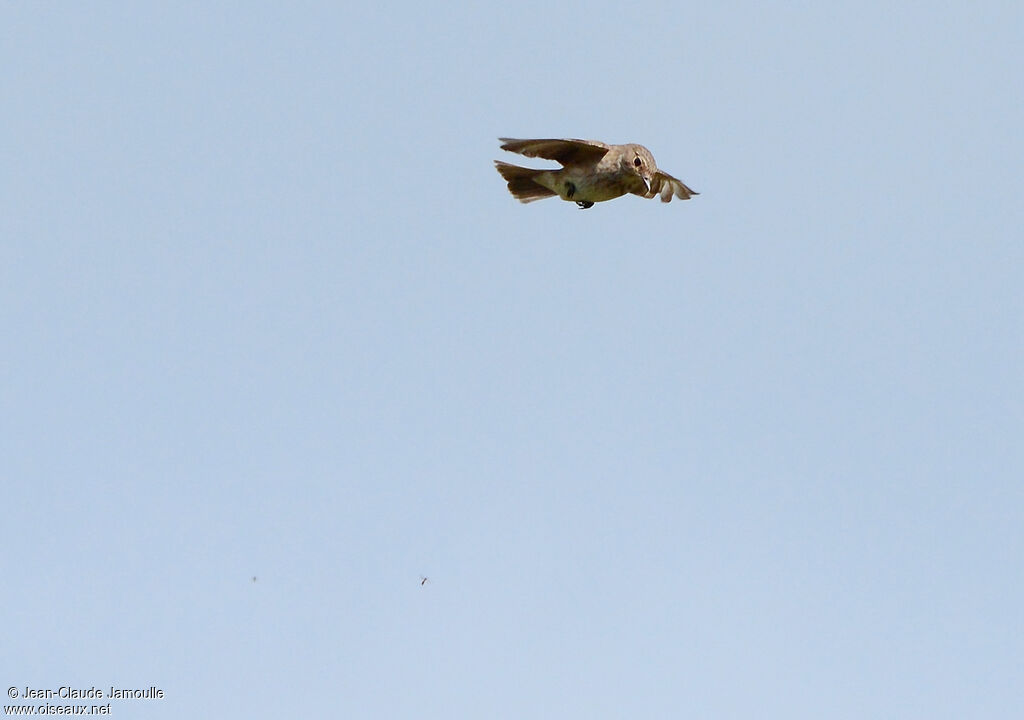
[267, 309]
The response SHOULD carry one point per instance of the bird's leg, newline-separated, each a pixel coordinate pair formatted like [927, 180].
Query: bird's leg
[570, 190]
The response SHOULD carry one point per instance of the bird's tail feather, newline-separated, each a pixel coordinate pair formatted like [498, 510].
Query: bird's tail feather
[521, 182]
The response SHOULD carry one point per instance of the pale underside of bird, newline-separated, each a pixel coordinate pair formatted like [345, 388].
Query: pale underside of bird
[591, 172]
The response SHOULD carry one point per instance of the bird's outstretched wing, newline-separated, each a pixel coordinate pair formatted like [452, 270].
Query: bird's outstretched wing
[665, 185]
[567, 152]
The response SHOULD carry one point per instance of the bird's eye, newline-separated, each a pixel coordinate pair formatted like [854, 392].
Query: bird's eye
[638, 162]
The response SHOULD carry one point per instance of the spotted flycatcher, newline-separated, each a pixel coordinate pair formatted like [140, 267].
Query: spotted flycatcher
[591, 172]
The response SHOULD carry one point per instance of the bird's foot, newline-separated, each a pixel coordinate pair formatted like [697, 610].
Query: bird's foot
[570, 190]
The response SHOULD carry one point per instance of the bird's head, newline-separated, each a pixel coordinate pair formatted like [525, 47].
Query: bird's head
[638, 159]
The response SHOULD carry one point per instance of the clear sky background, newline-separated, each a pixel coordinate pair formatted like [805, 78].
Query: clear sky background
[267, 309]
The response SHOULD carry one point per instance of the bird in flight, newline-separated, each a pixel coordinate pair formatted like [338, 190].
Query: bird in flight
[591, 172]
[424, 580]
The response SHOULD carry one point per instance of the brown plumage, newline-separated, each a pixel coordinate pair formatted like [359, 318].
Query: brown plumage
[521, 183]
[591, 172]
